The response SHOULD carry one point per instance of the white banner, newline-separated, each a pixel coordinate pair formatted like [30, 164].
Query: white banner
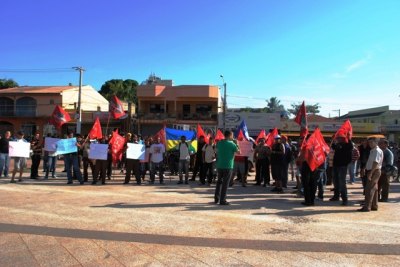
[50, 144]
[98, 151]
[135, 151]
[246, 148]
[19, 149]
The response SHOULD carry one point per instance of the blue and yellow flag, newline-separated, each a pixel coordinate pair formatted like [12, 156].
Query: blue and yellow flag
[173, 138]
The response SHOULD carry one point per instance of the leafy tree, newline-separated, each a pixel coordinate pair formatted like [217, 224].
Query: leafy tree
[123, 89]
[7, 83]
[274, 105]
[311, 109]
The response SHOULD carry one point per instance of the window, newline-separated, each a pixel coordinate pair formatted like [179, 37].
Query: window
[156, 108]
[6, 106]
[26, 107]
[186, 108]
[203, 109]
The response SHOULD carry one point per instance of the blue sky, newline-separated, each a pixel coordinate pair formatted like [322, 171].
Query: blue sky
[342, 54]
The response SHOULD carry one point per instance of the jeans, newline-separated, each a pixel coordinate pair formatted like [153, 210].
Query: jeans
[86, 164]
[352, 171]
[50, 166]
[71, 162]
[224, 177]
[4, 164]
[320, 177]
[183, 168]
[154, 166]
[339, 178]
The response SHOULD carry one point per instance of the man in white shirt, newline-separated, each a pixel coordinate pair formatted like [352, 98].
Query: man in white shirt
[184, 159]
[209, 160]
[156, 155]
[373, 168]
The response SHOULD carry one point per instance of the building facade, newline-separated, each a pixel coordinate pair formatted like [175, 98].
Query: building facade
[181, 107]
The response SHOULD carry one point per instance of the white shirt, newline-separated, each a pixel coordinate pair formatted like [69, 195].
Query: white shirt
[157, 153]
[184, 153]
[209, 153]
[375, 155]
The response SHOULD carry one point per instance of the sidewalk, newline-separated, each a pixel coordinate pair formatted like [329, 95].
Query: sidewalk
[49, 223]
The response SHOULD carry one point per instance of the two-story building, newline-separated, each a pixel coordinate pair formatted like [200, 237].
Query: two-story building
[181, 107]
[28, 108]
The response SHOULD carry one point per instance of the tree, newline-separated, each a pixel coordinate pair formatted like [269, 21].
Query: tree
[274, 105]
[123, 89]
[311, 109]
[7, 83]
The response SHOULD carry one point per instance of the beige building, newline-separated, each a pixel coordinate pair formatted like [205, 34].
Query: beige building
[28, 108]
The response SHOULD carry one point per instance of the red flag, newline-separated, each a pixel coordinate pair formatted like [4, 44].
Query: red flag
[96, 132]
[59, 117]
[346, 131]
[200, 132]
[261, 135]
[116, 109]
[271, 137]
[315, 150]
[240, 136]
[301, 119]
[219, 136]
[161, 134]
[117, 143]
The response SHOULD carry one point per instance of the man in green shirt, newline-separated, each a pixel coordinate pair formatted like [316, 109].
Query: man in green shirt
[226, 150]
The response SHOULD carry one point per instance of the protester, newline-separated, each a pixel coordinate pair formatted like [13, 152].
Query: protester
[71, 163]
[384, 180]
[36, 147]
[50, 164]
[341, 158]
[239, 169]
[86, 162]
[286, 160]
[184, 160]
[100, 166]
[132, 165]
[156, 155]
[261, 160]
[226, 150]
[19, 162]
[396, 159]
[373, 172]
[364, 150]
[144, 164]
[4, 157]
[351, 168]
[198, 165]
[277, 163]
[209, 158]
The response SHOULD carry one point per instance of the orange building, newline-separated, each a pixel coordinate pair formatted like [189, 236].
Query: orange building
[28, 108]
[177, 106]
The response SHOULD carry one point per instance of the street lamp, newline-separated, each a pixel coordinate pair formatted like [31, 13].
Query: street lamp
[224, 104]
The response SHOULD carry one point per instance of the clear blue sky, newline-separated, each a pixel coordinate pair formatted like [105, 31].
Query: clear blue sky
[343, 54]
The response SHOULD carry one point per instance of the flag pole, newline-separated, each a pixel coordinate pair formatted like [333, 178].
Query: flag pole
[108, 122]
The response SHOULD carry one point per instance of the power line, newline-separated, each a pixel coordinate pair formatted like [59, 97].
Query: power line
[47, 70]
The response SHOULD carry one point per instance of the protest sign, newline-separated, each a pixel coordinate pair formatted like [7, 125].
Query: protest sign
[98, 151]
[50, 144]
[246, 148]
[19, 149]
[65, 146]
[135, 151]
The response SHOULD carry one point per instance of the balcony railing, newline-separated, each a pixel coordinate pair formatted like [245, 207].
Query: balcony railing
[178, 116]
[21, 111]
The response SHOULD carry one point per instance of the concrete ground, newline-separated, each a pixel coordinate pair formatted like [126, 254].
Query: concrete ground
[50, 223]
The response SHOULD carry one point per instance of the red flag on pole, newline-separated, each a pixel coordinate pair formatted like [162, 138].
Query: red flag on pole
[59, 117]
[346, 131]
[301, 119]
[200, 132]
[161, 134]
[96, 131]
[240, 136]
[271, 137]
[219, 136]
[116, 109]
[315, 150]
[117, 143]
[261, 135]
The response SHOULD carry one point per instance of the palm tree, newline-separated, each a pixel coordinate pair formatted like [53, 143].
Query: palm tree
[274, 105]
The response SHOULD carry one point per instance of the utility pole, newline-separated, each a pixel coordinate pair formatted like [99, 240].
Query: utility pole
[79, 109]
[337, 110]
[224, 104]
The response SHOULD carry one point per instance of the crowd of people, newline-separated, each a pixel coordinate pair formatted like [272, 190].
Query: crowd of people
[221, 162]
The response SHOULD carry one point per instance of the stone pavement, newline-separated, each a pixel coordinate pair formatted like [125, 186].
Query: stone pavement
[49, 223]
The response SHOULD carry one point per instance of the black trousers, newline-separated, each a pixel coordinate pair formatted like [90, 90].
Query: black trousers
[132, 165]
[198, 167]
[100, 169]
[224, 177]
[109, 166]
[86, 164]
[35, 165]
[208, 172]
[262, 171]
[309, 183]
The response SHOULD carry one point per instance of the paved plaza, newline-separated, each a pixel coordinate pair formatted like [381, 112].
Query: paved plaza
[50, 223]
